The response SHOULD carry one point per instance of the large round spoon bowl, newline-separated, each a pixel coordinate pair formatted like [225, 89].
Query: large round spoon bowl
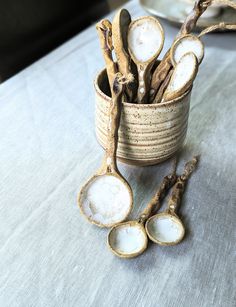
[106, 199]
[145, 42]
[128, 239]
[145, 39]
[165, 229]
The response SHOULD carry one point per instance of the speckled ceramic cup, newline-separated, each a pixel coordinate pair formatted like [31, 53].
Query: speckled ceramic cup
[148, 133]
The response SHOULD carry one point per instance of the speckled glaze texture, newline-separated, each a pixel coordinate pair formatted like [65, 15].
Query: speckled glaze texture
[148, 133]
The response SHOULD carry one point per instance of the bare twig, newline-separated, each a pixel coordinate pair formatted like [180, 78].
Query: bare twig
[220, 26]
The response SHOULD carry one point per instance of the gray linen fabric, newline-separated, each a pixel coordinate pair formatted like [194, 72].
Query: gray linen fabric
[49, 255]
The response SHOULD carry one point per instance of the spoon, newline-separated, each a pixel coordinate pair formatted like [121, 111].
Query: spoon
[107, 199]
[104, 30]
[145, 42]
[182, 77]
[120, 26]
[185, 44]
[166, 228]
[129, 239]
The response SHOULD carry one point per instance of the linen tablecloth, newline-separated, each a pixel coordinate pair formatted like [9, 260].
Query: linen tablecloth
[49, 254]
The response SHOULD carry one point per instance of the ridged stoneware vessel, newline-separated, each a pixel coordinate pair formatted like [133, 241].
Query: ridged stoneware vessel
[148, 133]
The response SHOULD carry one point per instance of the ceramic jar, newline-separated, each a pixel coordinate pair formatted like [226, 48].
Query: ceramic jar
[148, 133]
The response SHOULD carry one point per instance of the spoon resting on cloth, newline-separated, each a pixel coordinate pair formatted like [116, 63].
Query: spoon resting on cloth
[107, 199]
[166, 228]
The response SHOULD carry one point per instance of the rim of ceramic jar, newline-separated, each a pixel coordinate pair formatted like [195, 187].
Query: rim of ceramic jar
[136, 105]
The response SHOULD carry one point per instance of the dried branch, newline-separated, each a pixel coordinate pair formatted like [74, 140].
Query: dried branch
[220, 26]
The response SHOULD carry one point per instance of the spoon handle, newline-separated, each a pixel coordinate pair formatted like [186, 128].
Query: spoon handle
[104, 29]
[120, 26]
[159, 75]
[179, 187]
[143, 81]
[109, 163]
[167, 182]
[163, 87]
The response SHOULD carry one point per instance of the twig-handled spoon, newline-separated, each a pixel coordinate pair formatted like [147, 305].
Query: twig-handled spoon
[166, 228]
[129, 239]
[182, 77]
[145, 41]
[120, 26]
[107, 199]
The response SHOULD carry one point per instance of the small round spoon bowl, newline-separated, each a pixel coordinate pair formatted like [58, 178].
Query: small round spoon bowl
[128, 239]
[106, 199]
[185, 44]
[165, 229]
